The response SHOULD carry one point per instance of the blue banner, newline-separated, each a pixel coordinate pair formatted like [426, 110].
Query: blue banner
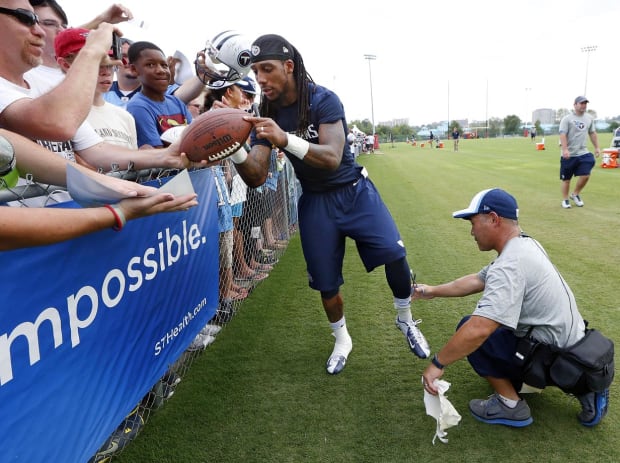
[89, 325]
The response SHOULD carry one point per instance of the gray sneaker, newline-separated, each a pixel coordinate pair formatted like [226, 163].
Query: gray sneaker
[593, 407]
[494, 411]
[565, 204]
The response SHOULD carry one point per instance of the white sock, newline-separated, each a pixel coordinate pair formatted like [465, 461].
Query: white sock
[403, 307]
[342, 347]
[340, 331]
[510, 403]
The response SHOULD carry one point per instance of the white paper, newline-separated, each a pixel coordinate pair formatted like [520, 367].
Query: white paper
[88, 192]
[439, 407]
[181, 184]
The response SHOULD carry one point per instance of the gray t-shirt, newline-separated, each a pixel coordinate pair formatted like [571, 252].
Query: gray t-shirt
[523, 289]
[577, 129]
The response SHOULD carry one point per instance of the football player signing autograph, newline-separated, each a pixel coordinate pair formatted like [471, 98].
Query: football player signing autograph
[307, 121]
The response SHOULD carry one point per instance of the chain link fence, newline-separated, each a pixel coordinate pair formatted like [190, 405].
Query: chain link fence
[255, 227]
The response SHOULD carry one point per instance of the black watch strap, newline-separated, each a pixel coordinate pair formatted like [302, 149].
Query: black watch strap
[437, 363]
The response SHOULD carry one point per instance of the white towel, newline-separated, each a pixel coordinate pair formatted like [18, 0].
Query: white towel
[439, 407]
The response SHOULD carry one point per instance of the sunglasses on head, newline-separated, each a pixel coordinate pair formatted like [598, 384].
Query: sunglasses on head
[25, 17]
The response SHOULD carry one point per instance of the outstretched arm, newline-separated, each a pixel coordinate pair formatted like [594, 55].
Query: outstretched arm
[466, 340]
[464, 286]
[103, 155]
[22, 227]
[72, 98]
[47, 167]
[114, 14]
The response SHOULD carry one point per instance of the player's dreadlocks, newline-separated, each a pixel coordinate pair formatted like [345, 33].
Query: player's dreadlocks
[302, 80]
[276, 47]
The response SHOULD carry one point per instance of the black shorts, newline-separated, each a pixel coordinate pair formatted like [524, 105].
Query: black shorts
[576, 166]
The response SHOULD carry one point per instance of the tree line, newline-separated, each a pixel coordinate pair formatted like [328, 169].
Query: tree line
[510, 125]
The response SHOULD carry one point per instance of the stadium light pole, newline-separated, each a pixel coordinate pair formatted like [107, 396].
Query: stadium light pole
[372, 106]
[486, 115]
[527, 106]
[589, 49]
[449, 133]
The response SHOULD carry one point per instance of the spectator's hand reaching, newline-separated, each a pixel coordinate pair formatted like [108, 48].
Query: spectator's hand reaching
[116, 13]
[177, 160]
[420, 291]
[221, 104]
[123, 187]
[172, 65]
[134, 208]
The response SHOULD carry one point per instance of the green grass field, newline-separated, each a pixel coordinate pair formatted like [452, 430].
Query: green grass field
[261, 393]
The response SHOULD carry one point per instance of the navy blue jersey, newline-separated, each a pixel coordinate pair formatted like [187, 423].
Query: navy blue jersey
[325, 108]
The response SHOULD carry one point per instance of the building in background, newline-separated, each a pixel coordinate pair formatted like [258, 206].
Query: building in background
[544, 116]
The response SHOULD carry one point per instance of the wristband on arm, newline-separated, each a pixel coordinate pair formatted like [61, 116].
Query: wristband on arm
[297, 146]
[239, 156]
[119, 216]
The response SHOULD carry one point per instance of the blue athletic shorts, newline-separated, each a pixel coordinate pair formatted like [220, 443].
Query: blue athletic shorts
[327, 219]
[576, 166]
[496, 356]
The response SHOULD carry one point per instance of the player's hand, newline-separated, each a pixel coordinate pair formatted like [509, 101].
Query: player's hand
[266, 128]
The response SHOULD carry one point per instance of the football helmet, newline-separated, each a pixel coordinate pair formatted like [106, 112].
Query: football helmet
[225, 59]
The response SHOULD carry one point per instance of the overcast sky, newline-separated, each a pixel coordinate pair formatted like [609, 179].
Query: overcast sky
[434, 60]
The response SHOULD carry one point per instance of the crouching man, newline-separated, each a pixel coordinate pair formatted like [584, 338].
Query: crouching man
[523, 294]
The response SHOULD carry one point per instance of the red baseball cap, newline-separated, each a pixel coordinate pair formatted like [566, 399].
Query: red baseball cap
[70, 41]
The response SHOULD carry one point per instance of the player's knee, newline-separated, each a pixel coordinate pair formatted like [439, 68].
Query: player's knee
[329, 294]
[398, 277]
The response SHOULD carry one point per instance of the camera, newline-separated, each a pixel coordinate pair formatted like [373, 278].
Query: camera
[117, 54]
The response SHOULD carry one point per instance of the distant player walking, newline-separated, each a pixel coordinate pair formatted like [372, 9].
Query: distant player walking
[577, 160]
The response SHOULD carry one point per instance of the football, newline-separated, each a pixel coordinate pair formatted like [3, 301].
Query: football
[215, 135]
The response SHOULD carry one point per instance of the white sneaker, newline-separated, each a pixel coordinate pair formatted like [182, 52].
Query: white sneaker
[211, 330]
[565, 204]
[338, 359]
[577, 200]
[200, 342]
[415, 339]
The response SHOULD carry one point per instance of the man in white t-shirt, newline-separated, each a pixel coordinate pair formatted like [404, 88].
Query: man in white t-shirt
[370, 143]
[53, 20]
[56, 118]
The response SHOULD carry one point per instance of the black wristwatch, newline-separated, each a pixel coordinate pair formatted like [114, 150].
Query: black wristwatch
[437, 363]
